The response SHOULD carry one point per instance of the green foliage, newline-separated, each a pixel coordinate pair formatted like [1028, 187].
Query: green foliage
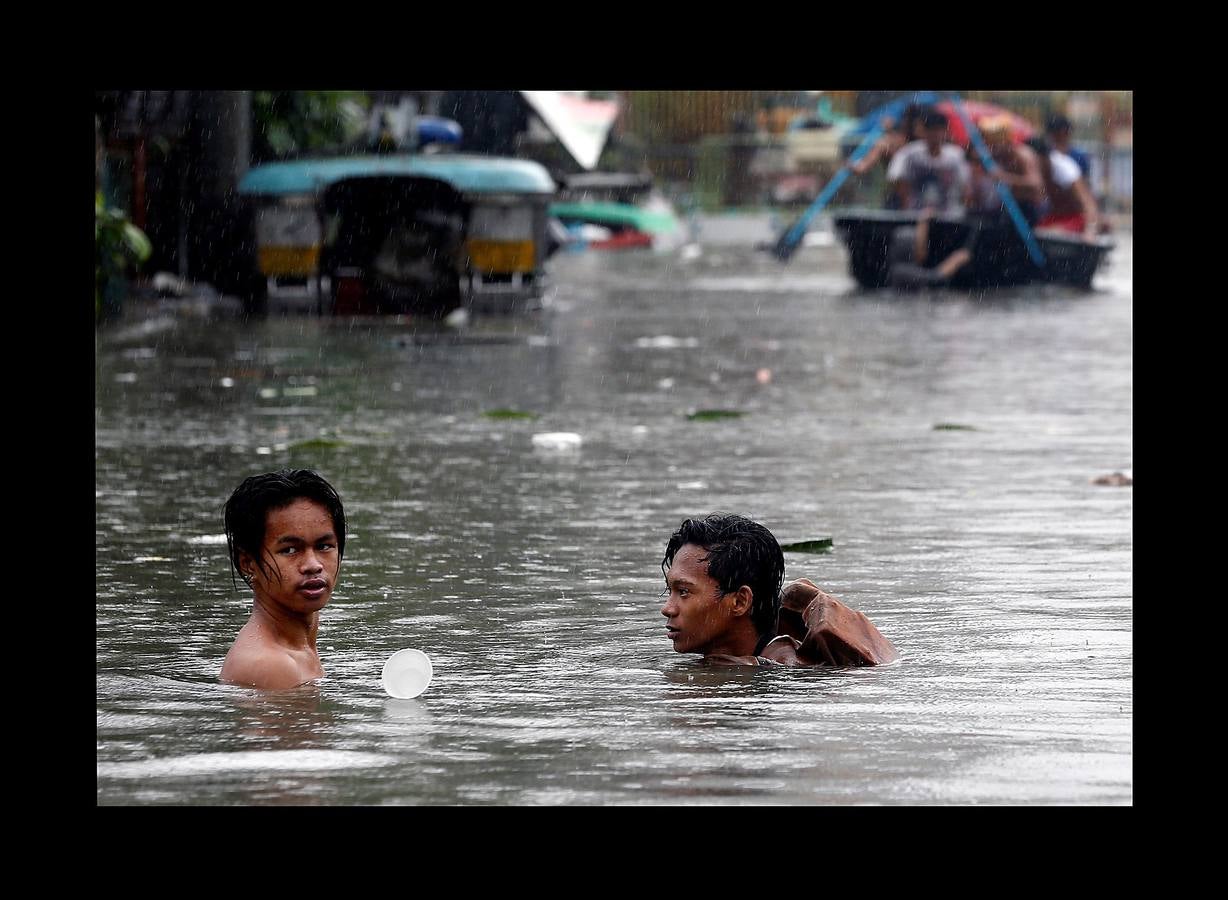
[119, 246]
[509, 414]
[820, 545]
[713, 415]
[290, 123]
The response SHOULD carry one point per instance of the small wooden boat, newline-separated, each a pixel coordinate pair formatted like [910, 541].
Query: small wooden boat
[877, 238]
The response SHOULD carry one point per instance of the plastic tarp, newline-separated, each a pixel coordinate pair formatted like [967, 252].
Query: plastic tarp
[581, 125]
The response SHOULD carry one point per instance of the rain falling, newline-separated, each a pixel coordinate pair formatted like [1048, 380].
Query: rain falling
[525, 335]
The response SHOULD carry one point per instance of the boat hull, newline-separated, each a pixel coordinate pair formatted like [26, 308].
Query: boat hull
[877, 238]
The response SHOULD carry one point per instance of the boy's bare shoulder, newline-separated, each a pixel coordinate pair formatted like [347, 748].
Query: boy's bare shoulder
[254, 664]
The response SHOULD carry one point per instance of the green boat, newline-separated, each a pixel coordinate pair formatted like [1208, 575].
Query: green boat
[611, 210]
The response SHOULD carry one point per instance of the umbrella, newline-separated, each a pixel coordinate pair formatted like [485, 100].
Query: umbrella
[1021, 128]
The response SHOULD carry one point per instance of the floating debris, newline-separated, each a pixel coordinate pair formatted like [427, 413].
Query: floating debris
[820, 545]
[1117, 479]
[953, 426]
[711, 415]
[319, 444]
[557, 440]
[208, 539]
[509, 414]
[665, 342]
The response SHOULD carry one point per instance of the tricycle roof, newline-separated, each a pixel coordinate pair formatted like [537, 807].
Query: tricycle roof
[467, 173]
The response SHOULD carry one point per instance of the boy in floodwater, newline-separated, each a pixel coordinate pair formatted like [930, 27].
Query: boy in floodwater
[286, 535]
[723, 576]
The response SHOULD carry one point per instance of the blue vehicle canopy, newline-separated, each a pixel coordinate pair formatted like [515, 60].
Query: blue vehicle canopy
[469, 174]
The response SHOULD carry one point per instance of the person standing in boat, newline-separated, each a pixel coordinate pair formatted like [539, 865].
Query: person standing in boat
[723, 577]
[285, 532]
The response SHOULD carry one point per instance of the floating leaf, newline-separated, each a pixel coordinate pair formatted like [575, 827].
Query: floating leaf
[509, 414]
[318, 444]
[712, 415]
[952, 426]
[821, 545]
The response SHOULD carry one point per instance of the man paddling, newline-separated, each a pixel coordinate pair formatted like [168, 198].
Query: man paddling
[286, 534]
[723, 576]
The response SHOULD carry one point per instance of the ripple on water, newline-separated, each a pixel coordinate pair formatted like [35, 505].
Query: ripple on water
[275, 761]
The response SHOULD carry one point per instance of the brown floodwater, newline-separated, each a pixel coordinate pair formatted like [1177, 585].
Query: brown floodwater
[946, 443]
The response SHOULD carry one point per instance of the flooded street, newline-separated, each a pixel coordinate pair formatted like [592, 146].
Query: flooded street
[946, 444]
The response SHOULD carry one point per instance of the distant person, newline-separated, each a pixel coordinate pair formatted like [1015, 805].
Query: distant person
[723, 575]
[896, 136]
[930, 173]
[982, 209]
[930, 176]
[285, 532]
[1019, 168]
[1069, 203]
[1061, 135]
[981, 196]
[1018, 165]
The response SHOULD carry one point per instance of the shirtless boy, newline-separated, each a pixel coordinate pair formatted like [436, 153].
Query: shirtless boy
[723, 575]
[286, 535]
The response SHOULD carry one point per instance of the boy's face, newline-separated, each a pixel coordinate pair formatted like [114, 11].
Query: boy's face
[935, 136]
[698, 613]
[300, 556]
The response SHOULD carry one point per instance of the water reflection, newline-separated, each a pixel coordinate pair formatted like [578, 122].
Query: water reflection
[284, 720]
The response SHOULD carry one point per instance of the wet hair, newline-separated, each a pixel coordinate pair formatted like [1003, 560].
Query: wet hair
[246, 512]
[1042, 148]
[740, 552]
[932, 118]
[1057, 122]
